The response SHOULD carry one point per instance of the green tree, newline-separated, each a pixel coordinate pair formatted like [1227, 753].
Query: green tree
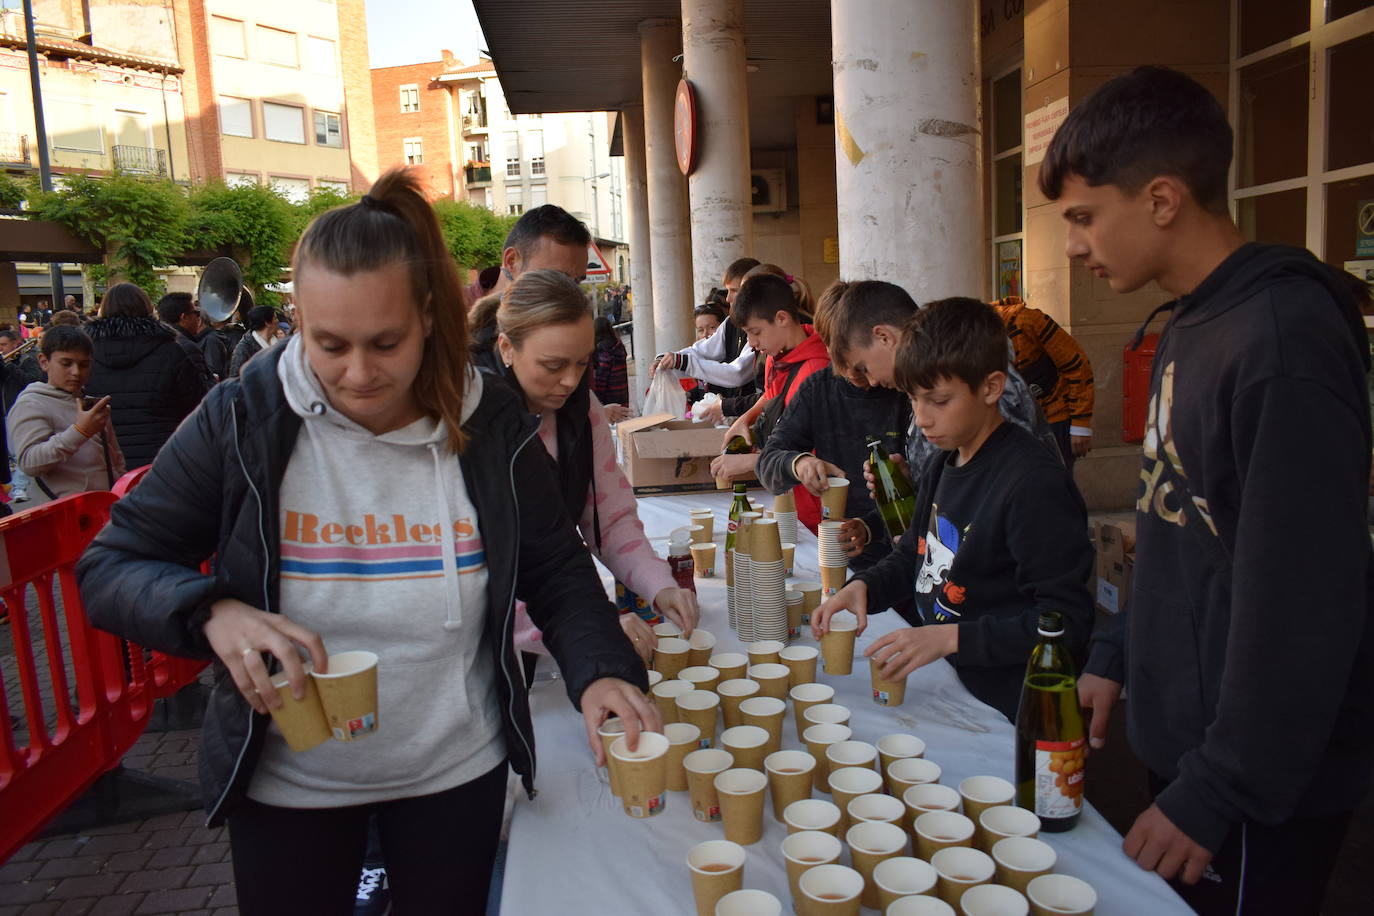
[12, 193]
[474, 234]
[254, 222]
[139, 223]
[320, 200]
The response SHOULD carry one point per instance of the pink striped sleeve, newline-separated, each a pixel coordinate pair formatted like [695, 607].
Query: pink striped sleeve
[625, 550]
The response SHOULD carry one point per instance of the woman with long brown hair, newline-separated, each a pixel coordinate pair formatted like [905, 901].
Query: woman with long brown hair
[365, 490]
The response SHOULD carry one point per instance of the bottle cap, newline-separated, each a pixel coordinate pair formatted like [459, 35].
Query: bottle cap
[1051, 624]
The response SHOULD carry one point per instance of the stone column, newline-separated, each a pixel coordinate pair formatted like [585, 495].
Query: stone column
[669, 233]
[906, 141]
[722, 218]
[641, 269]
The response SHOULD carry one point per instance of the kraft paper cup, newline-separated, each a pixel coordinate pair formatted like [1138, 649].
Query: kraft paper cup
[837, 645]
[937, 830]
[993, 900]
[795, 611]
[852, 753]
[811, 598]
[702, 767]
[717, 868]
[886, 692]
[899, 746]
[834, 498]
[801, 664]
[958, 869]
[609, 731]
[699, 708]
[1004, 821]
[878, 807]
[847, 784]
[764, 541]
[902, 876]
[785, 502]
[1061, 895]
[812, 814]
[832, 580]
[911, 771]
[804, 696]
[750, 902]
[983, 792]
[1020, 860]
[748, 744]
[696, 533]
[643, 773]
[789, 778]
[707, 523]
[701, 645]
[826, 714]
[789, 558]
[654, 679]
[682, 740]
[830, 890]
[665, 694]
[667, 628]
[301, 722]
[670, 656]
[928, 797]
[701, 677]
[920, 906]
[818, 739]
[808, 849]
[869, 843]
[704, 559]
[764, 651]
[741, 794]
[732, 693]
[731, 665]
[348, 695]
[771, 678]
[765, 713]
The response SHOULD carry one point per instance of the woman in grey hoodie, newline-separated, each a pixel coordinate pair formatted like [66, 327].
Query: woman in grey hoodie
[65, 443]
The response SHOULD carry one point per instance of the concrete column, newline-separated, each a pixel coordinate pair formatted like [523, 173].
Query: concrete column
[669, 233]
[906, 143]
[641, 249]
[722, 218]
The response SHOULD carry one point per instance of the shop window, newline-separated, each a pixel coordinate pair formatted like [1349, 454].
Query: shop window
[1279, 218]
[1349, 124]
[1272, 144]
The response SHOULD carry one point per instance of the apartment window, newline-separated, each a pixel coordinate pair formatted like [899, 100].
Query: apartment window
[414, 150]
[235, 117]
[331, 184]
[1006, 205]
[320, 53]
[77, 125]
[277, 46]
[535, 138]
[295, 190]
[283, 123]
[240, 179]
[515, 209]
[512, 155]
[539, 195]
[410, 98]
[328, 129]
[227, 38]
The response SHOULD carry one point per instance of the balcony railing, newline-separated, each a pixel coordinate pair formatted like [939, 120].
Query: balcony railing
[140, 160]
[14, 149]
[476, 173]
[474, 122]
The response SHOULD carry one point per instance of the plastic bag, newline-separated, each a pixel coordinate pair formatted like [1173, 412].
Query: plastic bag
[665, 395]
[706, 403]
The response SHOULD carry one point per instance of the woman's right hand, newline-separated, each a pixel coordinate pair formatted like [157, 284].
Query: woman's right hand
[240, 634]
[640, 634]
[853, 598]
[90, 422]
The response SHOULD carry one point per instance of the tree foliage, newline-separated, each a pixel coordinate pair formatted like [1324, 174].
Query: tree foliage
[254, 221]
[474, 234]
[12, 192]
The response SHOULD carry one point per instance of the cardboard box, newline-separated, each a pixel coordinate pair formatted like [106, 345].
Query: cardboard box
[1116, 539]
[1114, 585]
[662, 454]
[1108, 596]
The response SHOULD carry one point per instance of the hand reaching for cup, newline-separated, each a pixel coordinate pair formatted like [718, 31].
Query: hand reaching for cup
[853, 598]
[815, 473]
[609, 697]
[854, 536]
[640, 634]
[680, 606]
[240, 634]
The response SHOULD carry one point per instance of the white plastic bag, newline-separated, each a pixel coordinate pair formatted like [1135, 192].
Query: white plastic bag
[665, 395]
[705, 404]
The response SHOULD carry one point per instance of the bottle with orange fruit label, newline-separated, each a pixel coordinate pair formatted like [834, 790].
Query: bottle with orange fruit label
[1050, 748]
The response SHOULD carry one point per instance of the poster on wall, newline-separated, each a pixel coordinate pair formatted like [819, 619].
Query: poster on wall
[1009, 268]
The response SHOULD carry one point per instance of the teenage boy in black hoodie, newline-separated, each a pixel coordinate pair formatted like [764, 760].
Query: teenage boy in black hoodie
[1251, 655]
[1005, 530]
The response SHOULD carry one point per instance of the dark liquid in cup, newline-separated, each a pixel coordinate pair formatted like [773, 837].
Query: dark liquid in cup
[832, 897]
[716, 868]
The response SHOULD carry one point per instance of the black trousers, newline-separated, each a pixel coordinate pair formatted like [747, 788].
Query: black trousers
[1267, 871]
[440, 850]
[1065, 442]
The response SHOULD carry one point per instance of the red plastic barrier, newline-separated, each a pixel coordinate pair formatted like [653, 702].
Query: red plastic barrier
[84, 696]
[1135, 388]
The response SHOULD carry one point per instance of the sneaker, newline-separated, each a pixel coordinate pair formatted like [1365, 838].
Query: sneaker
[374, 893]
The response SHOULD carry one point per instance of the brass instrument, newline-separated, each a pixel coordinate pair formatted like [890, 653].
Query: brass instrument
[22, 350]
[220, 289]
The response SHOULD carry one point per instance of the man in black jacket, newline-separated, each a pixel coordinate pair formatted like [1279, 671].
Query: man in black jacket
[1251, 655]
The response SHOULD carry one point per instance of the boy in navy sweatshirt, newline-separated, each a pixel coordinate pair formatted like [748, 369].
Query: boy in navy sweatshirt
[1000, 531]
[1251, 655]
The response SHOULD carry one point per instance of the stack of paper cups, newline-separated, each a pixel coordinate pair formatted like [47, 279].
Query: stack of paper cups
[744, 583]
[794, 612]
[766, 575]
[833, 563]
[730, 609]
[785, 511]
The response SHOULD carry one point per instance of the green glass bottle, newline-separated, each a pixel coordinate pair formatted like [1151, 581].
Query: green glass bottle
[1050, 748]
[738, 446]
[737, 510]
[893, 493]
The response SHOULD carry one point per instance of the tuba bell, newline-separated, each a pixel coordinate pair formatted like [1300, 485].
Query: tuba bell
[220, 289]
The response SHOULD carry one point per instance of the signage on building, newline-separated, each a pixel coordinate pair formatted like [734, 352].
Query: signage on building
[685, 126]
[1364, 229]
[598, 268]
[1041, 125]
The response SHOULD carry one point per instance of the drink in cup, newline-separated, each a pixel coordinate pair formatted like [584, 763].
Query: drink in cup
[789, 778]
[831, 890]
[1020, 860]
[805, 850]
[959, 868]
[937, 830]
[717, 868]
[804, 696]
[902, 876]
[643, 773]
[872, 842]
[1061, 895]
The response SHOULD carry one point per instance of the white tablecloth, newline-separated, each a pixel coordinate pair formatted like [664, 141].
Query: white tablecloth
[573, 851]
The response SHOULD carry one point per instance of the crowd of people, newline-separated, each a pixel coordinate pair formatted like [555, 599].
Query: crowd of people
[487, 419]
